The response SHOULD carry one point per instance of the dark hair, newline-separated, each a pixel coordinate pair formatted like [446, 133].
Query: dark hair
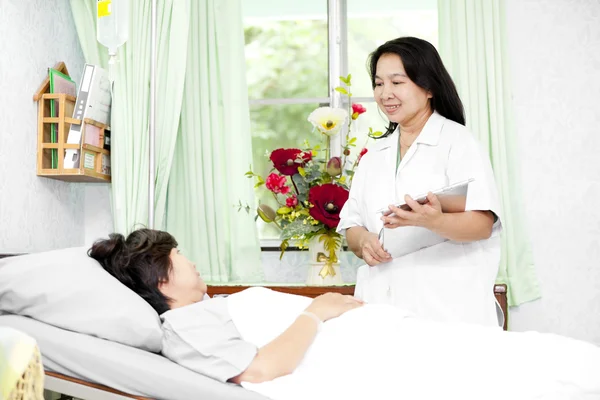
[425, 68]
[140, 262]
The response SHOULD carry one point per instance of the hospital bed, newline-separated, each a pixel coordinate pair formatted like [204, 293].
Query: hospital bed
[88, 367]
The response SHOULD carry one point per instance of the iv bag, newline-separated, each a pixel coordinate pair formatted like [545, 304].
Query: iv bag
[112, 25]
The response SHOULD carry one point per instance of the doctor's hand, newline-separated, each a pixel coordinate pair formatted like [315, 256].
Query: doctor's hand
[372, 251]
[425, 215]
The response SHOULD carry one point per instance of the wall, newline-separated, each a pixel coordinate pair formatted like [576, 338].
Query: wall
[554, 49]
[37, 213]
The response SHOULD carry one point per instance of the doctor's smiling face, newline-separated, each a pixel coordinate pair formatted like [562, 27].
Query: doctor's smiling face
[410, 82]
[396, 94]
[185, 286]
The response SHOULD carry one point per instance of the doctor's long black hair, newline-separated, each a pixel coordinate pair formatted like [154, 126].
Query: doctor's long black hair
[425, 68]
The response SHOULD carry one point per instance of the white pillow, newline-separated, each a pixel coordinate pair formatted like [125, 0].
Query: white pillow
[70, 290]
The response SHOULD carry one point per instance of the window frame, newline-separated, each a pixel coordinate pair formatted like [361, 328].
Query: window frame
[337, 51]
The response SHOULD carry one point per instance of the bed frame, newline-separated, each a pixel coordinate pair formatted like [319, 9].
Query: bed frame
[70, 387]
[314, 291]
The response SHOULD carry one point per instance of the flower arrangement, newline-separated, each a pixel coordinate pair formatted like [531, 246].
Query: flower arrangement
[310, 186]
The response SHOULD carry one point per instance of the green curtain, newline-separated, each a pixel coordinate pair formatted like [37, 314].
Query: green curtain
[130, 103]
[213, 150]
[472, 43]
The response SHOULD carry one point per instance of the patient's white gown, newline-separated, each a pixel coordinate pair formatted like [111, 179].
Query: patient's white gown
[382, 352]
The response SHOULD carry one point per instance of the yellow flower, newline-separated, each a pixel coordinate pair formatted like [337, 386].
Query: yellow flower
[328, 120]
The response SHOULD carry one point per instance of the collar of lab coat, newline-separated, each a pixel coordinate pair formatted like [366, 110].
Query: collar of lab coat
[430, 134]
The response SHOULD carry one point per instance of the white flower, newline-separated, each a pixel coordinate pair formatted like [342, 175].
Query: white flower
[328, 120]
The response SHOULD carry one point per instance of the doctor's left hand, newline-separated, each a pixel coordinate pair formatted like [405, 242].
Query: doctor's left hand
[425, 215]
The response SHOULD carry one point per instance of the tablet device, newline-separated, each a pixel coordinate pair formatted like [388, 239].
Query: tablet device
[453, 198]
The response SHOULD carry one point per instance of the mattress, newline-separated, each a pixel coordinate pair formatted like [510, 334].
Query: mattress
[121, 367]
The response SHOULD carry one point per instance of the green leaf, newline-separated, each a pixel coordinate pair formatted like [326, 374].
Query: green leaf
[331, 242]
[284, 210]
[349, 79]
[284, 245]
[301, 171]
[259, 181]
[352, 141]
[302, 187]
[304, 212]
[377, 134]
[346, 81]
[297, 228]
[341, 90]
[249, 174]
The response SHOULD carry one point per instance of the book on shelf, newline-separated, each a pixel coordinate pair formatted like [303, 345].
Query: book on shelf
[59, 83]
[93, 102]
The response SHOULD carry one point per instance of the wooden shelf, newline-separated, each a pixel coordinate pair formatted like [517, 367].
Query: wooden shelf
[93, 164]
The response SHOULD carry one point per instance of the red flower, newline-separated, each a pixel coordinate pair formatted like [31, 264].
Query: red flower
[287, 161]
[362, 153]
[327, 201]
[357, 109]
[276, 184]
[291, 201]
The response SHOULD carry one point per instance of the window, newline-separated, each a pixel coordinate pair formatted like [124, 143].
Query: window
[288, 66]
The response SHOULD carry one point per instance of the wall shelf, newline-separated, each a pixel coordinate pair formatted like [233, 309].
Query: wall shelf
[94, 161]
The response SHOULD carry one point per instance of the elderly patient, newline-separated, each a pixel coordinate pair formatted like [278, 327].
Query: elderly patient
[149, 263]
[363, 350]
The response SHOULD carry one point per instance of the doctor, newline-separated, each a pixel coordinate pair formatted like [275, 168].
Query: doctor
[426, 147]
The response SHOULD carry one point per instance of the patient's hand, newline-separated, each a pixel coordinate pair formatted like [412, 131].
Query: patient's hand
[331, 305]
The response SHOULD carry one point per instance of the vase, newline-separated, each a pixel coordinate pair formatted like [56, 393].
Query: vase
[322, 270]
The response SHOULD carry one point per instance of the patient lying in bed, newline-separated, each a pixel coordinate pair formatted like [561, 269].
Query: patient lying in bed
[287, 347]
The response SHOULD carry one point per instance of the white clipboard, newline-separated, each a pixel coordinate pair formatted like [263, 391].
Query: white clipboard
[453, 198]
[409, 239]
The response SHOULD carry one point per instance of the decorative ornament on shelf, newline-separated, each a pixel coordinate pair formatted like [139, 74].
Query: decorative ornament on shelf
[310, 187]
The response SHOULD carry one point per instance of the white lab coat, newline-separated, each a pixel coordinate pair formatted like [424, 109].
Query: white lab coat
[450, 281]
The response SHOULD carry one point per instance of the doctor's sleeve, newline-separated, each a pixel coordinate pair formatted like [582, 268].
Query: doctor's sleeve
[203, 338]
[350, 215]
[468, 159]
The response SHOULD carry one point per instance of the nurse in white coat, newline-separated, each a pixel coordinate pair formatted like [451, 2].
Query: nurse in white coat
[425, 147]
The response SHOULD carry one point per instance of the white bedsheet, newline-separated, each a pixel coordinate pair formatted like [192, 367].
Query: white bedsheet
[377, 351]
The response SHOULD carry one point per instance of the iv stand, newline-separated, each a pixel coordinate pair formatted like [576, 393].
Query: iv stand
[152, 120]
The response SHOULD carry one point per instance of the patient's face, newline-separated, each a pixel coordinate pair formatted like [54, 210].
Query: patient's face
[185, 285]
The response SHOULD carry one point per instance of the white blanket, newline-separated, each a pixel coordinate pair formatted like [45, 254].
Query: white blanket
[379, 352]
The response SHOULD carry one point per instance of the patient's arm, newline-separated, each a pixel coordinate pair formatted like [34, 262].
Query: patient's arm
[282, 355]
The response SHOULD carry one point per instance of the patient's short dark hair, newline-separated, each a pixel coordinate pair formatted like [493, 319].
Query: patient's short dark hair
[140, 262]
